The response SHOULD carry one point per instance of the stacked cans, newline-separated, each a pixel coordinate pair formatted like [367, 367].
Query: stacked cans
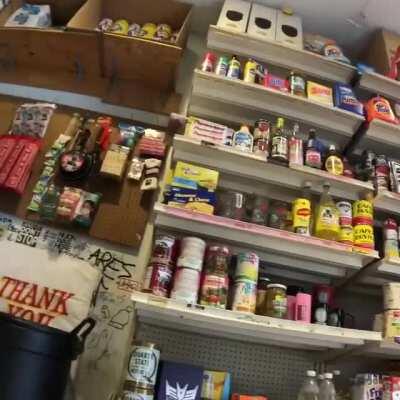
[245, 287]
[391, 236]
[161, 268]
[346, 222]
[189, 266]
[142, 372]
[363, 219]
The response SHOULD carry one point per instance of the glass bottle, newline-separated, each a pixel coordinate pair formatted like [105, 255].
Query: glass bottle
[313, 155]
[309, 389]
[279, 143]
[333, 161]
[327, 216]
[327, 390]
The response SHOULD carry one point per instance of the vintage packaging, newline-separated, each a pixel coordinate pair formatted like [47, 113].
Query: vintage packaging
[216, 385]
[247, 267]
[394, 176]
[364, 236]
[244, 296]
[277, 83]
[319, 93]
[115, 161]
[346, 100]
[391, 320]
[208, 131]
[380, 108]
[194, 177]
[186, 285]
[363, 212]
[391, 388]
[391, 296]
[391, 239]
[192, 253]
[86, 209]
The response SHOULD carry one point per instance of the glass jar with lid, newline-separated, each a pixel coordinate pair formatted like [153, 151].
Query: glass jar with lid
[276, 303]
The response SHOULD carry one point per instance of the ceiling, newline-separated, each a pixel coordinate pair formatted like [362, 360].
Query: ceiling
[350, 22]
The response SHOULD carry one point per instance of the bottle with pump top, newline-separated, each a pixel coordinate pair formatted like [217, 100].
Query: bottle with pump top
[279, 142]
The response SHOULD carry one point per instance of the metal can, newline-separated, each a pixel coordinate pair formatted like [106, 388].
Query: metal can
[364, 236]
[208, 62]
[164, 250]
[134, 30]
[244, 296]
[222, 66]
[345, 213]
[250, 71]
[262, 131]
[390, 234]
[143, 365]
[214, 291]
[381, 173]
[192, 253]
[148, 30]
[247, 267]
[346, 235]
[363, 212]
[137, 393]
[301, 212]
[234, 68]
[161, 279]
[186, 285]
[163, 32]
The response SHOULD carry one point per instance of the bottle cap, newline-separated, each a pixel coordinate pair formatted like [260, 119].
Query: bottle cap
[328, 375]
[321, 376]
[311, 373]
[336, 372]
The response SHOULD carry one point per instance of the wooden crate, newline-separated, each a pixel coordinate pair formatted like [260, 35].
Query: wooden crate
[152, 63]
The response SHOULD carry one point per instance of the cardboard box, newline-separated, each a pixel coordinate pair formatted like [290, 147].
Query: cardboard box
[381, 50]
[289, 30]
[262, 22]
[151, 62]
[235, 15]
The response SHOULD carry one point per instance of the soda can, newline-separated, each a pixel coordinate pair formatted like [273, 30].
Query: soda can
[250, 71]
[345, 213]
[247, 267]
[245, 296]
[346, 235]
[233, 69]
[186, 285]
[161, 279]
[222, 66]
[364, 236]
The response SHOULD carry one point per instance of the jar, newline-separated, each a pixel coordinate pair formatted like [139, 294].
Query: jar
[231, 204]
[261, 301]
[259, 212]
[276, 305]
[278, 214]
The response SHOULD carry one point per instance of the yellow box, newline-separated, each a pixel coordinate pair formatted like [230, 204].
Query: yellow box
[192, 177]
[320, 93]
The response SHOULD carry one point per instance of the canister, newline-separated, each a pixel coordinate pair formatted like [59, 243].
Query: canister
[276, 301]
[364, 236]
[391, 296]
[345, 213]
[363, 212]
[192, 253]
[247, 267]
[186, 285]
[244, 296]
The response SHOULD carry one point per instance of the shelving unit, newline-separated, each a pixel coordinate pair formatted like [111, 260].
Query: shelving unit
[385, 349]
[379, 84]
[286, 249]
[388, 202]
[247, 327]
[232, 100]
[380, 272]
[277, 54]
[248, 166]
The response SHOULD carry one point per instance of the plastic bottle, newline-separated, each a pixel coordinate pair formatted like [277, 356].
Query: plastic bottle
[243, 139]
[309, 389]
[327, 216]
[327, 390]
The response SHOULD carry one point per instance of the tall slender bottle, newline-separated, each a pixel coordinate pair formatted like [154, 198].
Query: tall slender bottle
[279, 143]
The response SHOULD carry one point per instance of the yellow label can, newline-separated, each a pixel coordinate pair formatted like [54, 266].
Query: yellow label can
[364, 236]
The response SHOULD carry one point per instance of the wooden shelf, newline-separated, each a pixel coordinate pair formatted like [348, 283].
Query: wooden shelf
[278, 54]
[286, 249]
[248, 166]
[388, 202]
[379, 84]
[245, 326]
[385, 349]
[222, 99]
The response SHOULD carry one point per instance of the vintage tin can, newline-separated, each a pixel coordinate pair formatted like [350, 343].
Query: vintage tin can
[345, 213]
[164, 250]
[143, 365]
[250, 71]
[222, 66]
[192, 253]
[364, 236]
[247, 267]
[186, 285]
[301, 211]
[148, 30]
[363, 212]
[161, 279]
[244, 296]
[390, 235]
[163, 32]
[132, 392]
[214, 291]
[346, 235]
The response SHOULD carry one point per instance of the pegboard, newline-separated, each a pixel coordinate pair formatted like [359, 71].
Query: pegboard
[256, 369]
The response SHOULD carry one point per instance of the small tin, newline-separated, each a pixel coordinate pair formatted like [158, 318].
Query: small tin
[364, 236]
[247, 267]
[244, 296]
[143, 365]
[222, 66]
[345, 213]
[192, 253]
[363, 212]
[186, 285]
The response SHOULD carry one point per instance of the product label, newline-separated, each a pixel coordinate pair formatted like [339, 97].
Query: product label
[362, 208]
[243, 141]
[245, 297]
[214, 291]
[364, 236]
[313, 158]
[143, 365]
[279, 147]
[334, 165]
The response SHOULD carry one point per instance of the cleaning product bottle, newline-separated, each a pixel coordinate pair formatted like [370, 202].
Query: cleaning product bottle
[327, 216]
[243, 139]
[309, 389]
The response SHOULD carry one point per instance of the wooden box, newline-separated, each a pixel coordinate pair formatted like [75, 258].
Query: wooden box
[152, 63]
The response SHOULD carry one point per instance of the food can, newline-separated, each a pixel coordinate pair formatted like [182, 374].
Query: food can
[364, 236]
[143, 365]
[391, 296]
[390, 234]
[148, 30]
[192, 253]
[214, 291]
[233, 68]
[250, 71]
[163, 32]
[345, 213]
[363, 212]
[346, 235]
[208, 62]
[134, 30]
[222, 66]
[164, 250]
[296, 153]
[186, 285]
[217, 260]
[247, 267]
[161, 279]
[120, 26]
[382, 172]
[244, 296]
[301, 216]
[137, 393]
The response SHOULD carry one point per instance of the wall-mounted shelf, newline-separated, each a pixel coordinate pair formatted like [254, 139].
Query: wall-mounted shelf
[220, 98]
[388, 202]
[278, 54]
[307, 254]
[379, 84]
[245, 326]
[248, 166]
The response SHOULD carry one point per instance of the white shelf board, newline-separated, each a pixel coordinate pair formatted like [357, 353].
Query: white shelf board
[388, 202]
[232, 100]
[379, 84]
[386, 349]
[382, 137]
[248, 166]
[274, 53]
[279, 247]
[381, 271]
[245, 326]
